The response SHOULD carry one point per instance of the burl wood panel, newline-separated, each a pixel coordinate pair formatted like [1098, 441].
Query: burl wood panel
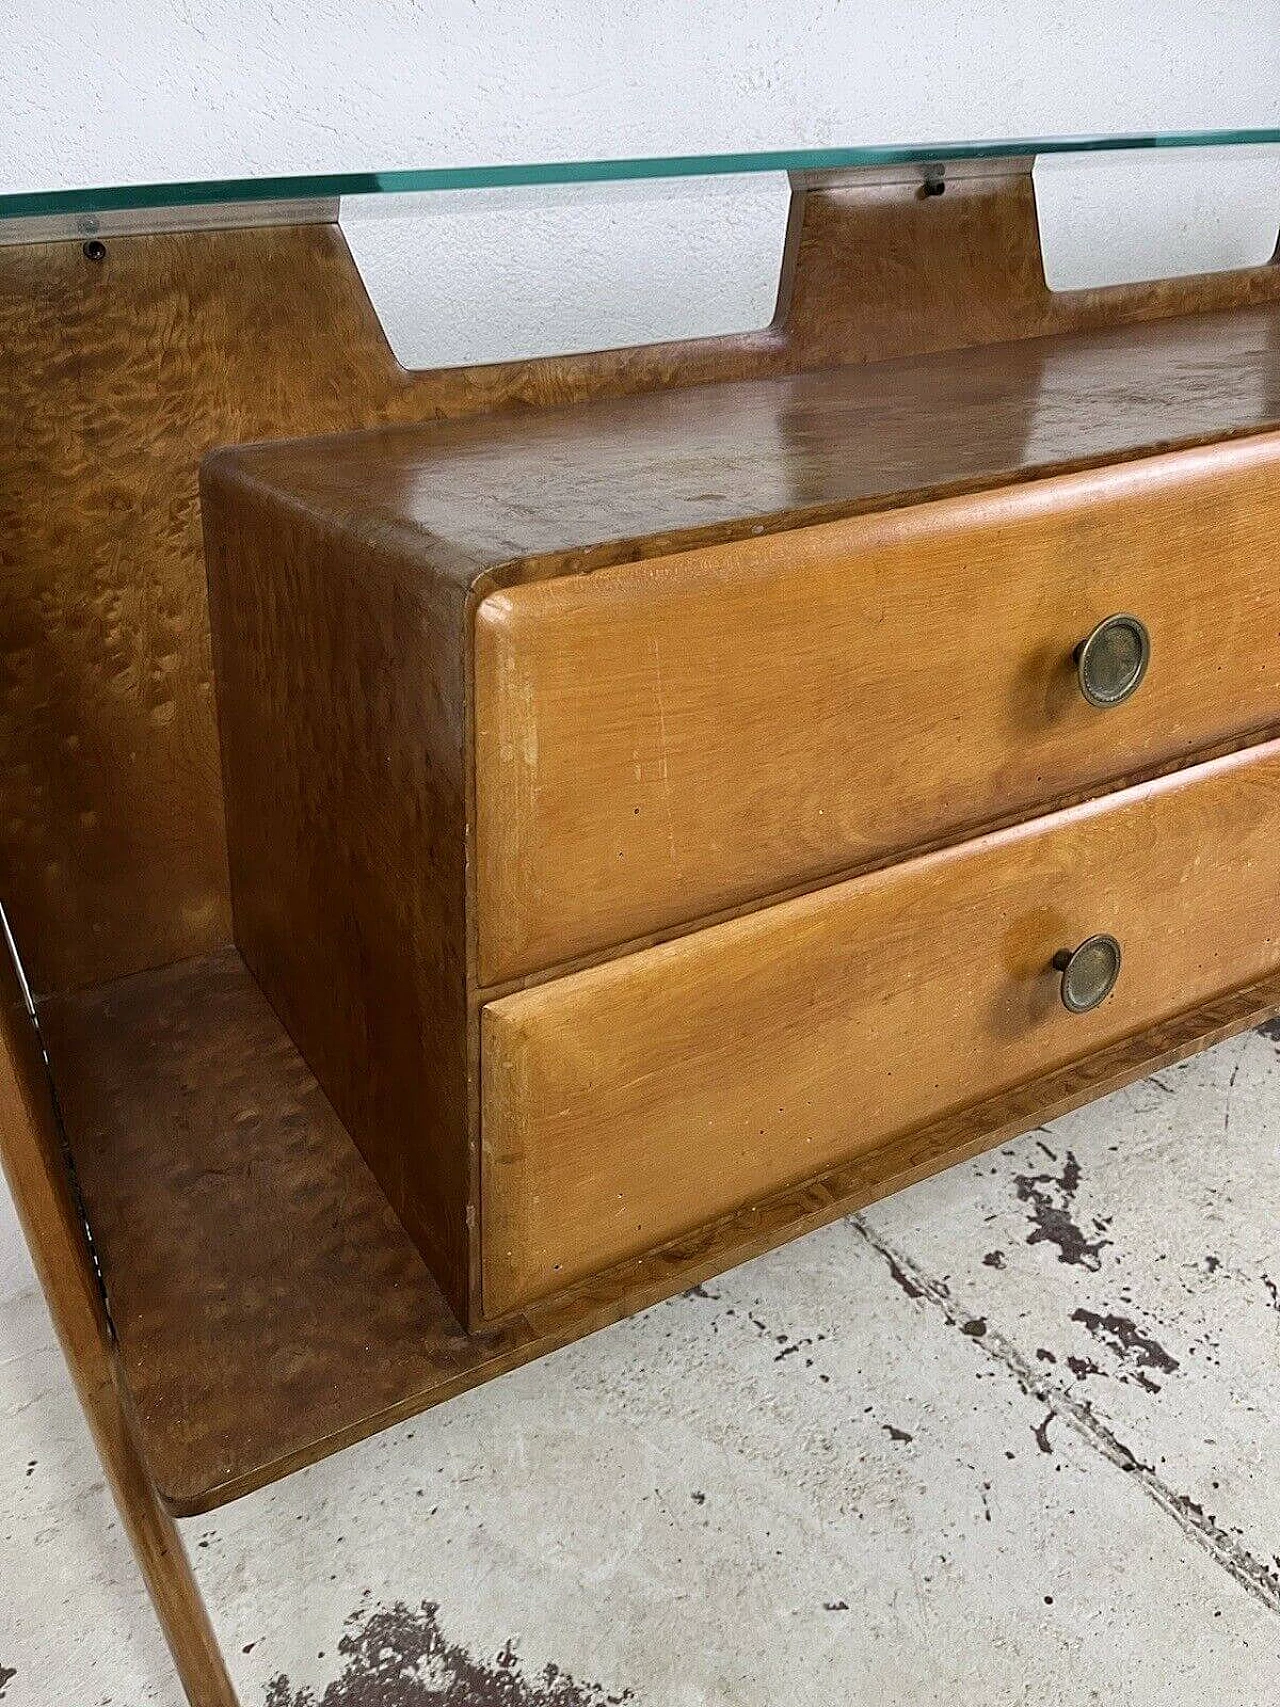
[658, 742]
[623, 1104]
[118, 375]
[262, 1289]
[270, 1308]
[341, 706]
[975, 272]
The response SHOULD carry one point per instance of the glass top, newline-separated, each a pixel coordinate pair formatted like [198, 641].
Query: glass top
[128, 197]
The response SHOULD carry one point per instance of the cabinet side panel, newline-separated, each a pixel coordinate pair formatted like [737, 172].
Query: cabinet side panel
[341, 706]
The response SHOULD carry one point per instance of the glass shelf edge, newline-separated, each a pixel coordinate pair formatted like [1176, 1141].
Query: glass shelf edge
[31, 204]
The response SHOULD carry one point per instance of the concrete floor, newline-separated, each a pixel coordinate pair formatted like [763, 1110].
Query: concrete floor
[1008, 1437]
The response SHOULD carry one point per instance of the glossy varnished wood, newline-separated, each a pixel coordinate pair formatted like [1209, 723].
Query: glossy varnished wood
[658, 742]
[266, 1305]
[119, 374]
[270, 1309]
[35, 1168]
[518, 498]
[342, 711]
[976, 273]
[625, 1104]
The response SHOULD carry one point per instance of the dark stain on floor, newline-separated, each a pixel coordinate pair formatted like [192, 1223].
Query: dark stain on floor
[1270, 1028]
[790, 1347]
[394, 1657]
[1083, 1367]
[7, 1675]
[1050, 1197]
[1256, 1576]
[1123, 1336]
[901, 1278]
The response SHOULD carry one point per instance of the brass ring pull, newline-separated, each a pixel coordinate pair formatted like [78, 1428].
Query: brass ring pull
[1089, 972]
[1111, 662]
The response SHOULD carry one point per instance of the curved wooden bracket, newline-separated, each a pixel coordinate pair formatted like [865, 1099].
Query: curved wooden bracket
[890, 266]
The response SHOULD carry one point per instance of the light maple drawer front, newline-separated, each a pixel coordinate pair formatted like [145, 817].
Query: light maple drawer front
[629, 1102]
[662, 740]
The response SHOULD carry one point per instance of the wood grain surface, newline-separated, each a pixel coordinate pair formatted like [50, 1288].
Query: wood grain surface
[624, 1104]
[263, 1291]
[975, 270]
[342, 708]
[658, 742]
[265, 1304]
[270, 1308]
[119, 374]
[566, 489]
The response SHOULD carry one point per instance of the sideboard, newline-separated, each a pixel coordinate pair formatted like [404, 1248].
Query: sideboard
[486, 849]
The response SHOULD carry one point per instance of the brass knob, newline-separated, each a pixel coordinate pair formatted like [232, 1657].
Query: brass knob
[1089, 972]
[1112, 661]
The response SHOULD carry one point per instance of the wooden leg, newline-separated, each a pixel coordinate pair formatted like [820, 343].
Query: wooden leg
[39, 1179]
[166, 1569]
[156, 1542]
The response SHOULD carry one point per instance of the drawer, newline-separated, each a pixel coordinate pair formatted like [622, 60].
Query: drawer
[660, 741]
[628, 1103]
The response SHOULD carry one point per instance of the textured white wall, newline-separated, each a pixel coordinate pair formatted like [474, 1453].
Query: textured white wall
[115, 90]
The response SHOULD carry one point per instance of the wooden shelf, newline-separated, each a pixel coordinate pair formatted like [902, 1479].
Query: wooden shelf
[264, 1297]
[268, 1307]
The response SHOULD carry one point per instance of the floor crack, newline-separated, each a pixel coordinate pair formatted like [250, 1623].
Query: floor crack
[1256, 1578]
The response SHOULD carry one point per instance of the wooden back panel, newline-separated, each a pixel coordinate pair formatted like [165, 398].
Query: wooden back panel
[118, 375]
[881, 272]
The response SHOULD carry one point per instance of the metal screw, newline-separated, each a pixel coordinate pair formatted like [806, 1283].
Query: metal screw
[95, 250]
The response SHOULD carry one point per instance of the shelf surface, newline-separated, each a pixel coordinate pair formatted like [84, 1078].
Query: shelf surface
[264, 1295]
[269, 1308]
[700, 464]
[514, 174]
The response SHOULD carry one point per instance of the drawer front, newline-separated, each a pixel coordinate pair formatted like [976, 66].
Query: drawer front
[666, 739]
[629, 1102]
